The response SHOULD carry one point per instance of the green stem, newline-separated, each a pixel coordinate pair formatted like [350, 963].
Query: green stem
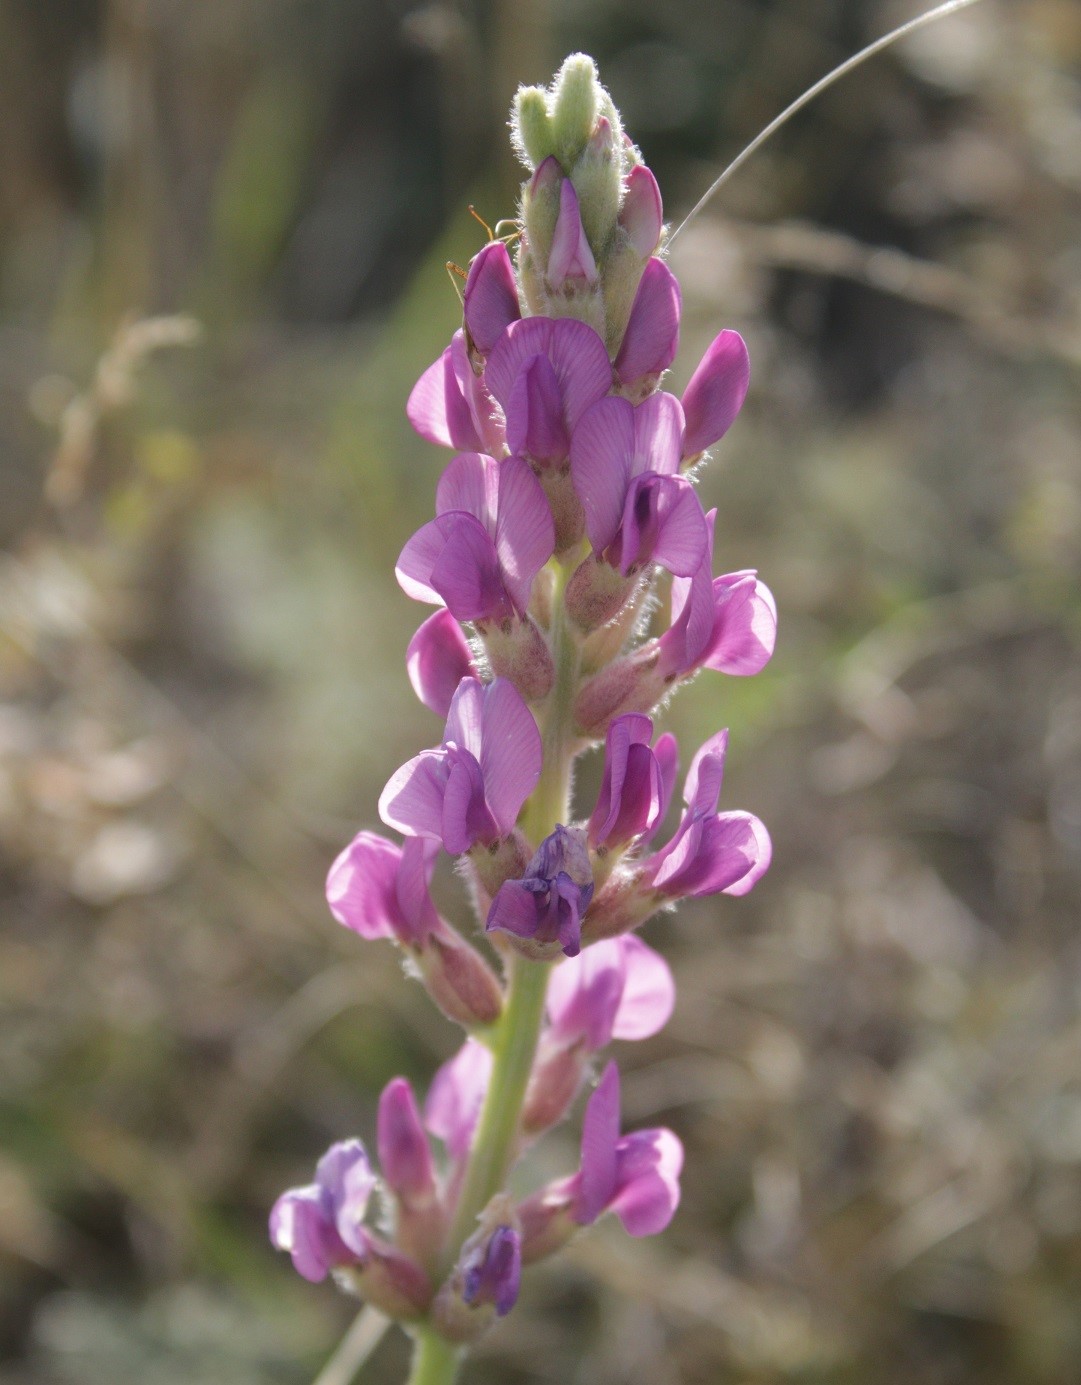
[515, 1038]
[435, 1360]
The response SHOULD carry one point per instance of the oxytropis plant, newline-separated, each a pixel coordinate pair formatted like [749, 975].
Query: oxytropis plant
[569, 493]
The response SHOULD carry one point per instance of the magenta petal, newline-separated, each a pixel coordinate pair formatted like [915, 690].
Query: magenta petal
[649, 1164]
[682, 537]
[631, 729]
[666, 753]
[535, 424]
[413, 798]
[470, 483]
[600, 1135]
[404, 1155]
[602, 452]
[466, 573]
[465, 720]
[584, 995]
[362, 886]
[716, 392]
[417, 559]
[437, 659]
[652, 336]
[642, 214]
[570, 256]
[525, 534]
[456, 1094]
[513, 910]
[510, 756]
[415, 906]
[658, 434]
[577, 354]
[744, 625]
[702, 787]
[300, 1223]
[649, 992]
[438, 410]
[758, 848]
[466, 817]
[490, 299]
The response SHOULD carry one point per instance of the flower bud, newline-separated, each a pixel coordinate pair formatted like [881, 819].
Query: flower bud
[484, 1283]
[503, 860]
[490, 300]
[597, 181]
[541, 207]
[597, 593]
[390, 1281]
[574, 106]
[566, 507]
[459, 980]
[406, 1159]
[553, 1085]
[531, 127]
[652, 337]
[631, 684]
[517, 650]
[642, 214]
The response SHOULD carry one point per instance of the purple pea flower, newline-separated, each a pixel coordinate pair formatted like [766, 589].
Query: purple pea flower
[727, 623]
[715, 393]
[450, 406]
[471, 788]
[638, 511]
[456, 1095]
[490, 300]
[545, 373]
[636, 1176]
[491, 535]
[379, 890]
[615, 989]
[636, 787]
[651, 338]
[437, 659]
[543, 911]
[320, 1225]
[711, 852]
[492, 1270]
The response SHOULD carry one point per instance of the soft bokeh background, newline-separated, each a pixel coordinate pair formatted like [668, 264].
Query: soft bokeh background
[876, 1059]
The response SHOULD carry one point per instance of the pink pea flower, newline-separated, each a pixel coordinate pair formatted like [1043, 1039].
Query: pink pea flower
[492, 534]
[636, 1176]
[726, 623]
[545, 373]
[379, 890]
[636, 787]
[471, 788]
[490, 300]
[624, 463]
[711, 852]
[715, 393]
[437, 659]
[651, 338]
[456, 1095]
[450, 406]
[321, 1227]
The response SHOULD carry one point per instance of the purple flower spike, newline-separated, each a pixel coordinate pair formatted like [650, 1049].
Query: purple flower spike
[380, 890]
[635, 1176]
[320, 1224]
[492, 534]
[490, 299]
[638, 511]
[711, 852]
[632, 798]
[492, 1271]
[452, 1108]
[544, 910]
[404, 1155]
[727, 623]
[616, 989]
[578, 359]
[437, 659]
[570, 259]
[651, 340]
[715, 393]
[642, 213]
[471, 788]
[450, 406]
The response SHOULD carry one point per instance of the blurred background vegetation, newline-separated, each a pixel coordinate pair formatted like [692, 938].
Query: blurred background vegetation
[876, 1058]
